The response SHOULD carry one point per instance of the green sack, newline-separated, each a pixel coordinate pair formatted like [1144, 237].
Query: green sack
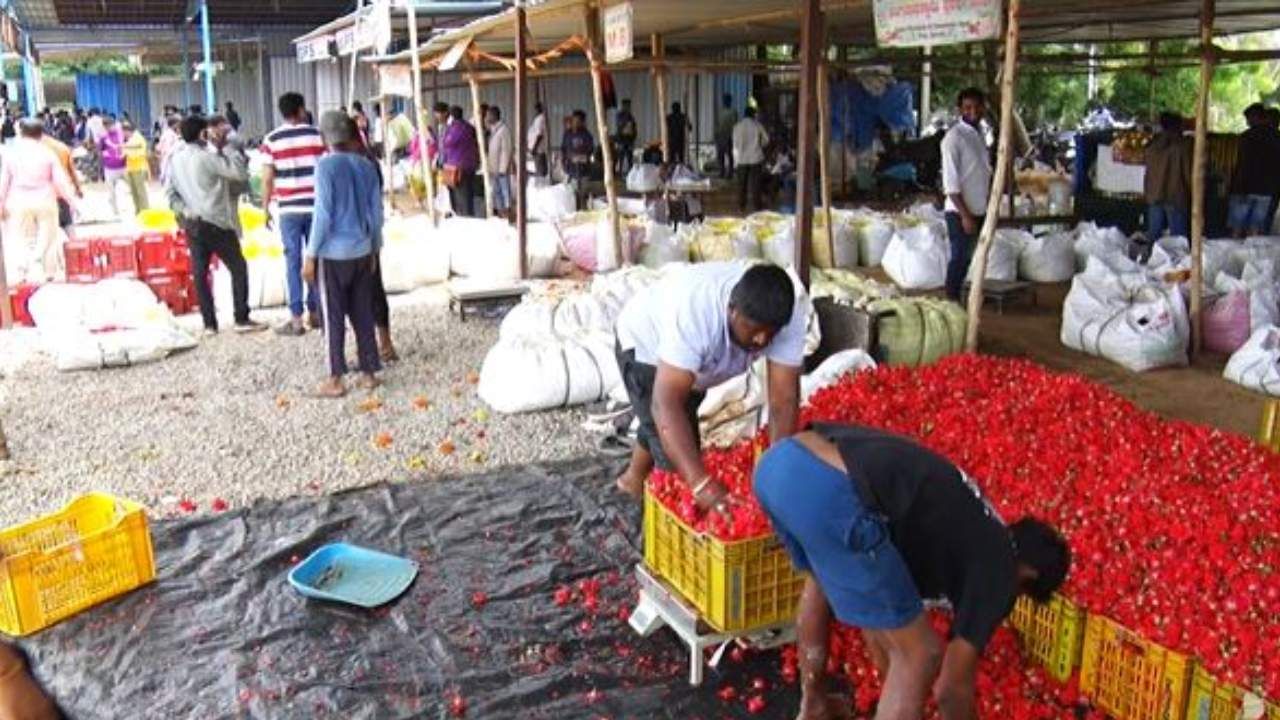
[918, 331]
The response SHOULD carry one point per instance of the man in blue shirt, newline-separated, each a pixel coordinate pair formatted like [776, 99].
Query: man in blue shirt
[342, 252]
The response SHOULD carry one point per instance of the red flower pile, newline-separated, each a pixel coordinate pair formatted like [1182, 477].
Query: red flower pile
[1174, 527]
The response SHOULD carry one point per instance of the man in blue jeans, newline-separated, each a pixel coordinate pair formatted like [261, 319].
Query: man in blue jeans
[288, 182]
[880, 523]
[1256, 181]
[1167, 184]
[966, 181]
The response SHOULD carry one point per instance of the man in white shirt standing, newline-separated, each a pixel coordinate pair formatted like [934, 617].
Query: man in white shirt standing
[499, 161]
[749, 141]
[966, 181]
[690, 331]
[537, 141]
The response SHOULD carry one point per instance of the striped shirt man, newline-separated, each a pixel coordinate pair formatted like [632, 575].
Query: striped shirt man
[293, 151]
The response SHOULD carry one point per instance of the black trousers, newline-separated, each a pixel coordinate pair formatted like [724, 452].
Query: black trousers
[463, 195]
[638, 379]
[749, 184]
[381, 309]
[346, 292]
[626, 155]
[724, 158]
[206, 240]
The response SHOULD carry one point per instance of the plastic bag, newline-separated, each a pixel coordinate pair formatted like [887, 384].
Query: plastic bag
[644, 179]
[917, 256]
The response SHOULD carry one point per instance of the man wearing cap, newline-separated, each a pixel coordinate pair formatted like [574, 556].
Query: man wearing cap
[342, 252]
[692, 330]
[878, 522]
[32, 181]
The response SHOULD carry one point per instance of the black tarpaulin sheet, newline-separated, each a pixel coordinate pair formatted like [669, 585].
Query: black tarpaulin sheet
[221, 634]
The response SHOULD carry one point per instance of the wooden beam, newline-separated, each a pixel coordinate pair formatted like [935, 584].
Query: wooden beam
[810, 47]
[657, 48]
[388, 186]
[1004, 159]
[478, 120]
[592, 18]
[420, 117]
[522, 168]
[824, 159]
[4, 445]
[1199, 172]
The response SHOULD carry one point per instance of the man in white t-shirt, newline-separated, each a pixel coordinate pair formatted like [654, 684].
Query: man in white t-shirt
[749, 140]
[536, 141]
[966, 181]
[692, 330]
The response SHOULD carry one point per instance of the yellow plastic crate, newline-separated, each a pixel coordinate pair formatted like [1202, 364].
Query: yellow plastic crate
[95, 548]
[1130, 678]
[1052, 633]
[735, 586]
[1213, 700]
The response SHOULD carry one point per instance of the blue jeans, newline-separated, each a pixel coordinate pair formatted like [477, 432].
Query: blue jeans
[829, 531]
[1248, 213]
[961, 253]
[1163, 216]
[295, 228]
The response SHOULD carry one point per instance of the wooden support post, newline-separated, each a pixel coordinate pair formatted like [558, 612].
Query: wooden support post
[824, 157]
[478, 121]
[4, 445]
[659, 51]
[388, 185]
[522, 167]
[1199, 173]
[1004, 160]
[926, 89]
[592, 18]
[810, 48]
[420, 117]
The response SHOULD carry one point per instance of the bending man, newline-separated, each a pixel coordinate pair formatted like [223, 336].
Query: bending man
[880, 522]
[690, 331]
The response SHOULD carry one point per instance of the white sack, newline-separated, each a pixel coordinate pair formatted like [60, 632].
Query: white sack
[1048, 259]
[917, 256]
[1128, 319]
[526, 374]
[1256, 365]
[1002, 259]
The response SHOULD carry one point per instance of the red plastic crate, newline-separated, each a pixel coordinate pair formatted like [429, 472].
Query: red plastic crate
[79, 258]
[18, 297]
[155, 253]
[176, 290]
[119, 257]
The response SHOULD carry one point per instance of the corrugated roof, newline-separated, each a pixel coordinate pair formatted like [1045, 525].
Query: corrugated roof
[701, 24]
[55, 13]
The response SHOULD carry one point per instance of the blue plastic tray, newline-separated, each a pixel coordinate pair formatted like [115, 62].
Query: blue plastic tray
[352, 574]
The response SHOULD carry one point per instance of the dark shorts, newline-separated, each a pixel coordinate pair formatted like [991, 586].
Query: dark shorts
[827, 529]
[638, 378]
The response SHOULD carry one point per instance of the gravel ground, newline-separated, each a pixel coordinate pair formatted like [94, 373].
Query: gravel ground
[232, 420]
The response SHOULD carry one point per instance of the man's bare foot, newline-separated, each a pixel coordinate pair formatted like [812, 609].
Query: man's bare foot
[368, 381]
[331, 388]
[388, 354]
[824, 707]
[631, 485]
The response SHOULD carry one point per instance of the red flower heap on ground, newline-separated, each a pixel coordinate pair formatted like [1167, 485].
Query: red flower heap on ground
[1175, 527]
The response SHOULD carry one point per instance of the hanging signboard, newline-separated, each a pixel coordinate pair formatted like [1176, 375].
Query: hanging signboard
[9, 35]
[317, 48]
[395, 80]
[918, 23]
[619, 37]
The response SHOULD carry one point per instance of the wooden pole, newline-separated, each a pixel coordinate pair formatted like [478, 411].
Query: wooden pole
[1199, 172]
[1003, 163]
[592, 18]
[810, 46]
[926, 89]
[659, 51]
[4, 445]
[522, 167]
[824, 159]
[420, 118]
[478, 121]
[388, 186]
